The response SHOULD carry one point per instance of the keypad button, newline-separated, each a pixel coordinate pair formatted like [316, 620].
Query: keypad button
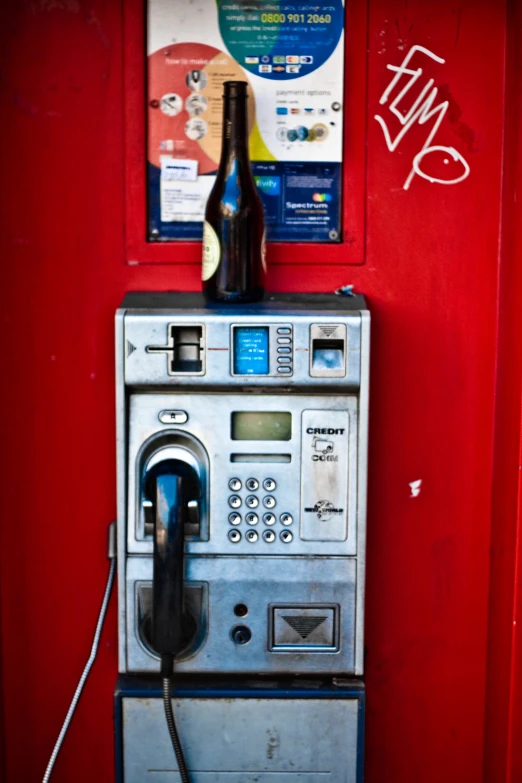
[284, 340]
[282, 360]
[286, 519]
[234, 536]
[269, 536]
[234, 518]
[252, 519]
[284, 369]
[252, 484]
[252, 536]
[252, 501]
[269, 519]
[234, 501]
[284, 350]
[269, 501]
[269, 484]
[285, 536]
[235, 484]
[284, 330]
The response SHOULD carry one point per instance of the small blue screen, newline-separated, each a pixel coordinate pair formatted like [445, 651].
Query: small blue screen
[251, 350]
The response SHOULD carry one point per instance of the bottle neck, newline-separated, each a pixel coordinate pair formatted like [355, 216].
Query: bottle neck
[235, 130]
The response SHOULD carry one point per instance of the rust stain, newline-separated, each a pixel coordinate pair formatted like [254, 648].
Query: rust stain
[459, 21]
[273, 743]
[454, 113]
[444, 573]
[61, 5]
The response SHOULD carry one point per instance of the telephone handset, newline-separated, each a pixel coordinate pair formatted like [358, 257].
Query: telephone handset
[175, 486]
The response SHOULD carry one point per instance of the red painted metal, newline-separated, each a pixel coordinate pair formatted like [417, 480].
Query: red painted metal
[431, 276]
[503, 751]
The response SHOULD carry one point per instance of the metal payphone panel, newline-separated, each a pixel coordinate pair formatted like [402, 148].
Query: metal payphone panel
[255, 418]
[270, 737]
[311, 478]
[301, 615]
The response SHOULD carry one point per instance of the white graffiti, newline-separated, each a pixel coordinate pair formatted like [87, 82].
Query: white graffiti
[415, 487]
[421, 111]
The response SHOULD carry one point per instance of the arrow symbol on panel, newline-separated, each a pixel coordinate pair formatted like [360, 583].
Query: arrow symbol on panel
[304, 626]
[130, 348]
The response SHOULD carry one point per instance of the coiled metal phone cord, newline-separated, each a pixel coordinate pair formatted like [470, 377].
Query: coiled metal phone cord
[111, 554]
[166, 666]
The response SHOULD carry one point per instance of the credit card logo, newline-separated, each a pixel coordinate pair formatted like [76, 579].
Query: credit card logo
[321, 197]
[293, 68]
[309, 111]
[265, 69]
[292, 59]
[306, 59]
[281, 110]
[265, 58]
[278, 68]
[251, 60]
[295, 111]
[278, 59]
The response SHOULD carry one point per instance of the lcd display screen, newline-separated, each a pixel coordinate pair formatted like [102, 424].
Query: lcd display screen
[251, 355]
[250, 425]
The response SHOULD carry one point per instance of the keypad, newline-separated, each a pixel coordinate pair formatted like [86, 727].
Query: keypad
[265, 489]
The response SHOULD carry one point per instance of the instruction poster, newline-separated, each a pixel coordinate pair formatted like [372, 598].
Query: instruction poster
[291, 55]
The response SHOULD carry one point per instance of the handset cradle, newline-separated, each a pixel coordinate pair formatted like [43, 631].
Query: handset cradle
[176, 488]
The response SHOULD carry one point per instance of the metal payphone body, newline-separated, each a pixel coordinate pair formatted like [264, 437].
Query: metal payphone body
[268, 405]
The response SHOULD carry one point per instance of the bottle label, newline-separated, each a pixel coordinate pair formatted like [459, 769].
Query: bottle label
[211, 251]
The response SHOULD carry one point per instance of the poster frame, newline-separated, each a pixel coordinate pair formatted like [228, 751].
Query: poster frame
[139, 250]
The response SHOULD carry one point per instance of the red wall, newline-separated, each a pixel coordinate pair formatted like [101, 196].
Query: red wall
[431, 277]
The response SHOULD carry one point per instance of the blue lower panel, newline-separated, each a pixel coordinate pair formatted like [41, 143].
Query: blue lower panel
[302, 203]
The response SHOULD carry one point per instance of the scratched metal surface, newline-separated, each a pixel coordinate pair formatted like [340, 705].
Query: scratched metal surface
[431, 280]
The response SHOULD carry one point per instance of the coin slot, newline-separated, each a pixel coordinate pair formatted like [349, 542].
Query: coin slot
[258, 458]
[187, 349]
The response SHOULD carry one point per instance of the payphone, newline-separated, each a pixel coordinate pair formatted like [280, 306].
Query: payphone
[242, 439]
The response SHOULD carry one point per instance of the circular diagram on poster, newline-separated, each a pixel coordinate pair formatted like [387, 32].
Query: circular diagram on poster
[196, 129]
[171, 104]
[189, 125]
[281, 41]
[196, 104]
[196, 80]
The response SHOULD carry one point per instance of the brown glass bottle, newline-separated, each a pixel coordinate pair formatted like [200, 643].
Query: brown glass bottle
[233, 232]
